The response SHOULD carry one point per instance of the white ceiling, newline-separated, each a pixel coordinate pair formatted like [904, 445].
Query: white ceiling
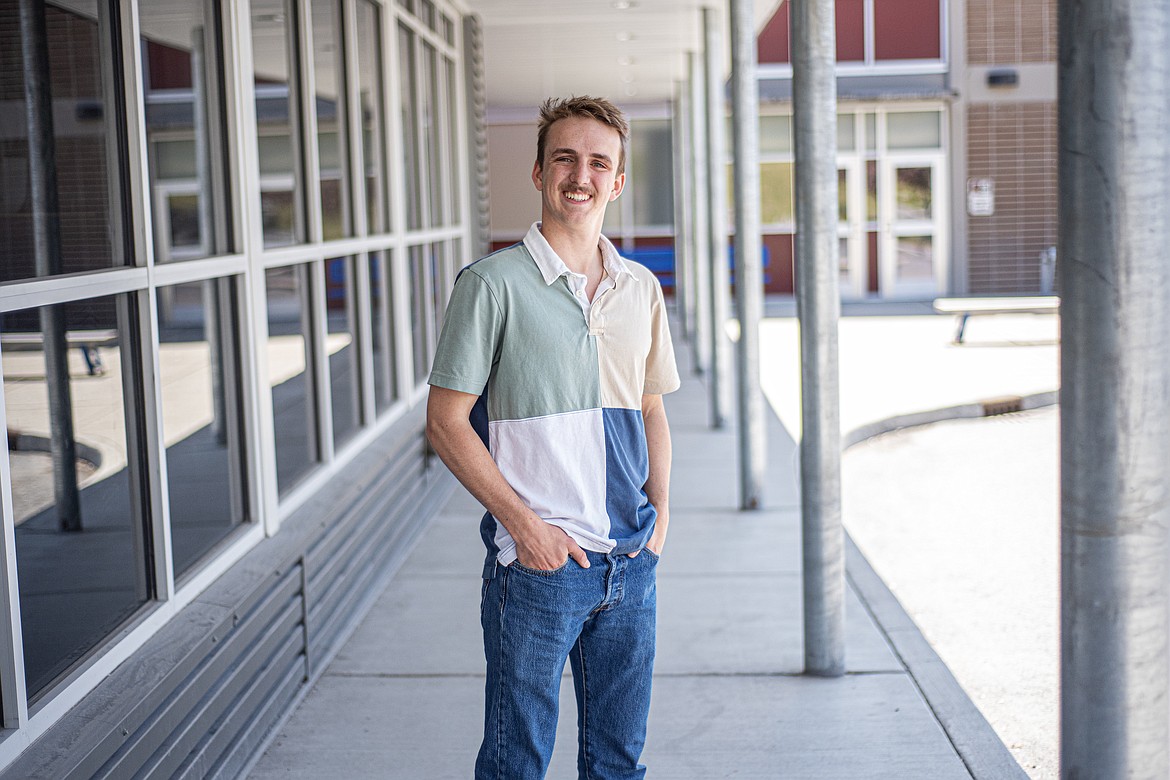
[534, 49]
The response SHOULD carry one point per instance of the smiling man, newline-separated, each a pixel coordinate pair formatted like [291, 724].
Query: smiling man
[546, 403]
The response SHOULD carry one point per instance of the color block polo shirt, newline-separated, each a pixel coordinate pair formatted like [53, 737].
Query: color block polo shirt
[560, 382]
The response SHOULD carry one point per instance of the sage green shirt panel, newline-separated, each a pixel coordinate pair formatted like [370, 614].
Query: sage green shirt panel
[468, 343]
[542, 359]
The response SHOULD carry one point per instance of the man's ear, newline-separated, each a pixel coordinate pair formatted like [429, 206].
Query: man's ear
[537, 176]
[619, 184]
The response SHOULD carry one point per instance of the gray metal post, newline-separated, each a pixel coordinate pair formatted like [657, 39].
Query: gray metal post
[682, 254]
[749, 272]
[701, 239]
[719, 378]
[814, 98]
[42, 165]
[1115, 387]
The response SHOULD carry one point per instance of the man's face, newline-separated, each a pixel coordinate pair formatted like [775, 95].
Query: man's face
[579, 176]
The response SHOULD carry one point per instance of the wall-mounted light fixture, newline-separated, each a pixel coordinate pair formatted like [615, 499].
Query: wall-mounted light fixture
[1005, 77]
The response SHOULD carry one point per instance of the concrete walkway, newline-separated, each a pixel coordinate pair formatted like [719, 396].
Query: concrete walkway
[403, 698]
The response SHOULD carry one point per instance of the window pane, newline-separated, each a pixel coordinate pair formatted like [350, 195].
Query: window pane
[420, 304]
[907, 30]
[328, 68]
[202, 422]
[914, 130]
[843, 263]
[432, 134]
[776, 134]
[382, 330]
[341, 348]
[293, 396]
[871, 190]
[651, 173]
[842, 195]
[871, 132]
[776, 193]
[914, 193]
[277, 129]
[449, 121]
[369, 77]
[183, 92]
[82, 159]
[410, 142]
[846, 137]
[79, 549]
[915, 259]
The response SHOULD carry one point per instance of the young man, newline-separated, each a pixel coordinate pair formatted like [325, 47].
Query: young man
[546, 403]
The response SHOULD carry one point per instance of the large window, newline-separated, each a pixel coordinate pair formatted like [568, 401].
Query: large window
[183, 93]
[290, 362]
[203, 431]
[278, 123]
[263, 306]
[69, 381]
[869, 33]
[62, 158]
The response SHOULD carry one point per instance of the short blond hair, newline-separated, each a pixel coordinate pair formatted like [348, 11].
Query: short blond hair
[555, 109]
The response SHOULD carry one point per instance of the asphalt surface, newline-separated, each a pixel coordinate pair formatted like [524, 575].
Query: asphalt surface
[961, 520]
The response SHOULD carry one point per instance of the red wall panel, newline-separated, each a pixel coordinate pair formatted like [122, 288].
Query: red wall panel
[907, 30]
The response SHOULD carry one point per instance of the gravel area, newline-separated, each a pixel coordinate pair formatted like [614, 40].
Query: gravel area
[961, 519]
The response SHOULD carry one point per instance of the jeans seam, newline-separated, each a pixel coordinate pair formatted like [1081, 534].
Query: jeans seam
[584, 709]
[500, 742]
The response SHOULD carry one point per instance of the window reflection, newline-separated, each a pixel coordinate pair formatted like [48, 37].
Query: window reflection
[79, 158]
[431, 111]
[914, 193]
[202, 426]
[915, 259]
[421, 304]
[411, 158]
[776, 193]
[369, 76]
[341, 349]
[78, 524]
[293, 394]
[277, 128]
[328, 67]
[381, 327]
[183, 93]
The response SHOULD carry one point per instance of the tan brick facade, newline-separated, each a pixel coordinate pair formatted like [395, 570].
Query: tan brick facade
[1014, 145]
[1011, 31]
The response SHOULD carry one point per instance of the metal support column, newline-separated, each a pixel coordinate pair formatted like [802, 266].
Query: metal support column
[719, 378]
[700, 240]
[1115, 386]
[682, 229]
[42, 158]
[818, 305]
[749, 272]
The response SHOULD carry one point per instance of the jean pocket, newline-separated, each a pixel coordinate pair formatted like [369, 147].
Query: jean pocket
[539, 572]
[653, 555]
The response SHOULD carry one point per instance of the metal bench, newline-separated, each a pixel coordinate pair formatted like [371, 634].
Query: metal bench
[965, 308]
[88, 341]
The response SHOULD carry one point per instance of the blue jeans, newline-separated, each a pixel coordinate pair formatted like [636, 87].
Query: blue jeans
[603, 620]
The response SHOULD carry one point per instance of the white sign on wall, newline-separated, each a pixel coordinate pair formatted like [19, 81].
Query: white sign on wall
[980, 197]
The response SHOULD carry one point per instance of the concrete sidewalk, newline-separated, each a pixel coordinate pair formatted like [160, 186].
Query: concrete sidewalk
[403, 698]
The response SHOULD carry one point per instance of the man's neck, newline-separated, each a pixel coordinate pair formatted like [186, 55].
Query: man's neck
[579, 250]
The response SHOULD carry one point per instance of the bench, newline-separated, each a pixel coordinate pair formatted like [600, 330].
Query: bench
[965, 308]
[87, 340]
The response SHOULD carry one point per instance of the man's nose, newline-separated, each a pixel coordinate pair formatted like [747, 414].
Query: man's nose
[580, 171]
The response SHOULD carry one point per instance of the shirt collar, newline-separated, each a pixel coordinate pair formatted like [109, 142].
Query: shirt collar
[552, 267]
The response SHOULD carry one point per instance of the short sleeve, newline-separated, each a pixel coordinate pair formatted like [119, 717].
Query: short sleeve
[661, 370]
[470, 337]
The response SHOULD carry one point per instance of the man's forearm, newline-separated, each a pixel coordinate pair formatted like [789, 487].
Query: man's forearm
[659, 450]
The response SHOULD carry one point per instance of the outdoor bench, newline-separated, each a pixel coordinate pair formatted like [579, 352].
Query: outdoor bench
[965, 308]
[88, 340]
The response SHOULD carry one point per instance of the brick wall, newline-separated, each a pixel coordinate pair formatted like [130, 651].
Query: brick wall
[1013, 144]
[1011, 31]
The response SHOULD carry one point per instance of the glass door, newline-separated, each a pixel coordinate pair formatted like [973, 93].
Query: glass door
[912, 261]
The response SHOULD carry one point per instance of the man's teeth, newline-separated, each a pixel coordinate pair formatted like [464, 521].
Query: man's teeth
[579, 197]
